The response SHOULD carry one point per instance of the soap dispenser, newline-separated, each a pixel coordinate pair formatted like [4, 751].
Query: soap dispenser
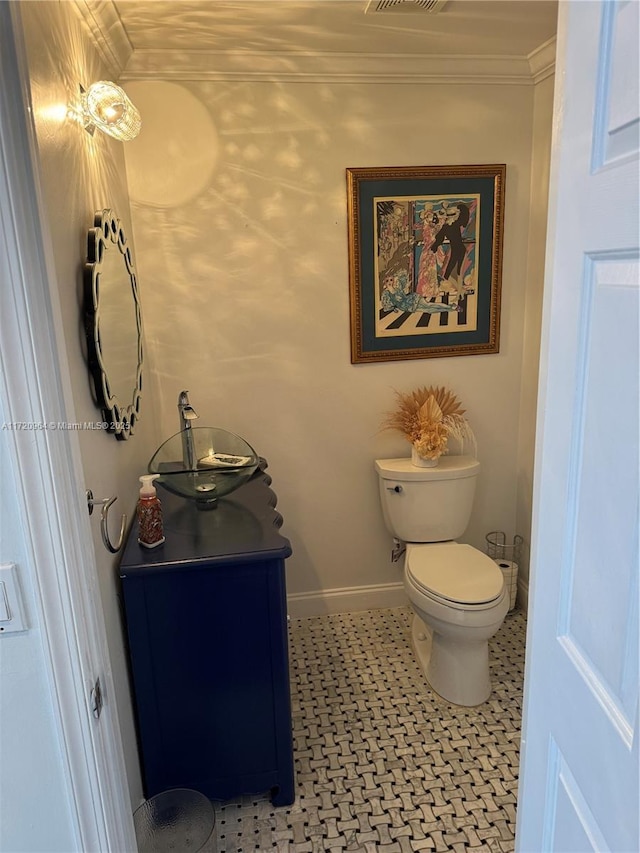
[149, 510]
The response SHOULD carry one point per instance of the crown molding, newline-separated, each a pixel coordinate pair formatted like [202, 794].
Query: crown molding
[111, 40]
[542, 61]
[105, 28]
[301, 67]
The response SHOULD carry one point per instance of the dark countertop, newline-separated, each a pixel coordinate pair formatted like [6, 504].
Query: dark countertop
[243, 527]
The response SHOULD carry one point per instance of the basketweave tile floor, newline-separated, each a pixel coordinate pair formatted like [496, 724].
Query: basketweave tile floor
[382, 763]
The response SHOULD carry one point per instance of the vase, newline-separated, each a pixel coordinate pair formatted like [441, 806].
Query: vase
[420, 461]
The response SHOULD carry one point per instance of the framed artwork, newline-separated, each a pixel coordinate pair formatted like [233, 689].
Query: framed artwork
[425, 261]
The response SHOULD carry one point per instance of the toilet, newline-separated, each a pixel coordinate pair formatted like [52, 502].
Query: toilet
[457, 593]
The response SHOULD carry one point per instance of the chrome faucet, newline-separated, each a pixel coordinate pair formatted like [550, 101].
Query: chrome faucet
[187, 414]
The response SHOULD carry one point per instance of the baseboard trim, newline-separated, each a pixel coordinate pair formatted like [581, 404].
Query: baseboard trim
[349, 599]
[523, 594]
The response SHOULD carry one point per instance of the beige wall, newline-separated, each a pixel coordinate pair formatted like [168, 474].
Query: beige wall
[247, 253]
[540, 163]
[80, 175]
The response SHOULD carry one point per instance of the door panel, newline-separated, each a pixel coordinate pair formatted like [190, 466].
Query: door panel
[579, 787]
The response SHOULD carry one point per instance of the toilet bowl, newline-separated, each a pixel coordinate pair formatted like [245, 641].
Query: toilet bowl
[459, 600]
[457, 593]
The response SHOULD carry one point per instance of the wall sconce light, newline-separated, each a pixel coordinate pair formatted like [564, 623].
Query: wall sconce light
[107, 107]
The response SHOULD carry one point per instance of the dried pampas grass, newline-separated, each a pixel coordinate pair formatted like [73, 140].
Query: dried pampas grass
[427, 417]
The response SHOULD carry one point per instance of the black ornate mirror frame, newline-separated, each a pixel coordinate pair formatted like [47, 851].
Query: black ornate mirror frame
[108, 235]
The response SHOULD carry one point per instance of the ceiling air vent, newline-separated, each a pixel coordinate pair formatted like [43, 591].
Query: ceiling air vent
[414, 6]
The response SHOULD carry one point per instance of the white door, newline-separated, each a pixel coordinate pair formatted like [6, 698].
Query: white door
[579, 784]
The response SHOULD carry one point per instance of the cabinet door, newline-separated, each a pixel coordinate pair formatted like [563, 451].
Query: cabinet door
[206, 653]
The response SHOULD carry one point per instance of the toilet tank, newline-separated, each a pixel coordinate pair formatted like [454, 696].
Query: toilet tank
[427, 504]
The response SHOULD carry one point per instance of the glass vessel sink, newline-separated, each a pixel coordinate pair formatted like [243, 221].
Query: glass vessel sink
[203, 464]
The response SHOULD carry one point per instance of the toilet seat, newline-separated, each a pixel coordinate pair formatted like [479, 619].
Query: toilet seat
[455, 575]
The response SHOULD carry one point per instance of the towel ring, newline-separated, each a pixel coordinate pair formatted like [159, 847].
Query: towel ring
[105, 503]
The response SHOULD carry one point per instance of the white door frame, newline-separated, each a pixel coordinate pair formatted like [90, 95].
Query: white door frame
[35, 388]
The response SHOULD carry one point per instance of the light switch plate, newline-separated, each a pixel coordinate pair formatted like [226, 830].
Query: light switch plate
[11, 607]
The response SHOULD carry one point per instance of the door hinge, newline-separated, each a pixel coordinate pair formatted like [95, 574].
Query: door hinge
[96, 699]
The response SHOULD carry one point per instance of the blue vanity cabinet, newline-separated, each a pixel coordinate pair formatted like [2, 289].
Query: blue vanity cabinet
[206, 621]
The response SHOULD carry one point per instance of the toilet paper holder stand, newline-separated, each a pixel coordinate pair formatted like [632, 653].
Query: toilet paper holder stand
[508, 559]
[499, 549]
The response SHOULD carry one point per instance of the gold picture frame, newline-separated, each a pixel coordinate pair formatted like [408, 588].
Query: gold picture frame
[425, 261]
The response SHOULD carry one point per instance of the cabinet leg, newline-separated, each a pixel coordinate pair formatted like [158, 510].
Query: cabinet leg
[282, 795]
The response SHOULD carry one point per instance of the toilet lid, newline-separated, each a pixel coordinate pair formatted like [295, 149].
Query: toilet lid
[457, 573]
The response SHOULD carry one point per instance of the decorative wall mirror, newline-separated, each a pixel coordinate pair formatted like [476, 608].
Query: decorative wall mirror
[113, 324]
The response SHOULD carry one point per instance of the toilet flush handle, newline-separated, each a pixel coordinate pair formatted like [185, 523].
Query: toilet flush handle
[397, 489]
